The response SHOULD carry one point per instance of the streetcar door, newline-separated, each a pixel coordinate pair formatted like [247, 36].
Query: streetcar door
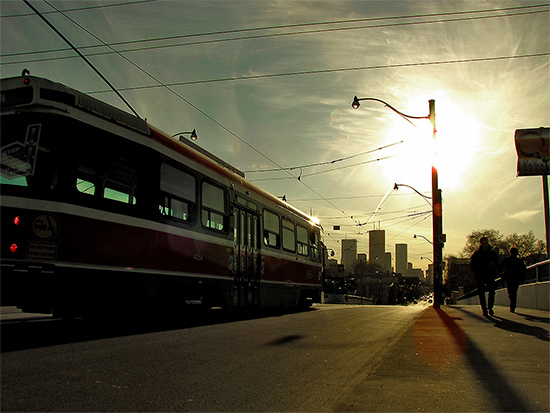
[246, 285]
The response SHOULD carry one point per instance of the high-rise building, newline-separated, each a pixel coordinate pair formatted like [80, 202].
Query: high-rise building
[401, 258]
[387, 261]
[377, 248]
[349, 254]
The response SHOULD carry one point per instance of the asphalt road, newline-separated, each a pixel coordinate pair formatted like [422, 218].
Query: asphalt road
[274, 362]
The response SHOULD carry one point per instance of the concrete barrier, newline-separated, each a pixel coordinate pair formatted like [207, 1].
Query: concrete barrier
[536, 295]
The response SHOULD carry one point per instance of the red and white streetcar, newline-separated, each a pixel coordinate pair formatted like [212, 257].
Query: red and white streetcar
[103, 212]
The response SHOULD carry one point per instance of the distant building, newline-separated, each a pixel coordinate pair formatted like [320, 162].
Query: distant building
[401, 258]
[414, 272]
[430, 274]
[349, 254]
[331, 269]
[387, 262]
[377, 247]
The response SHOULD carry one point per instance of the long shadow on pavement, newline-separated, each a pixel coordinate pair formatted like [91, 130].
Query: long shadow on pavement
[502, 394]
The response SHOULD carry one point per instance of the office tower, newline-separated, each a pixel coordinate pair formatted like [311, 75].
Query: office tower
[401, 258]
[349, 254]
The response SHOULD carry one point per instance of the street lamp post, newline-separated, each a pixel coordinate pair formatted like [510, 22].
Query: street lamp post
[437, 211]
[192, 134]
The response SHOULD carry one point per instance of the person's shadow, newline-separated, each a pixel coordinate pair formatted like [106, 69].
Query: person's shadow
[529, 317]
[521, 328]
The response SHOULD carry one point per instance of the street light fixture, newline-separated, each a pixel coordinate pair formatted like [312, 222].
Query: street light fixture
[193, 135]
[422, 236]
[426, 258]
[396, 188]
[437, 211]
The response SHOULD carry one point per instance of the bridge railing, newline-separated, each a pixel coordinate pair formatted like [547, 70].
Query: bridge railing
[533, 292]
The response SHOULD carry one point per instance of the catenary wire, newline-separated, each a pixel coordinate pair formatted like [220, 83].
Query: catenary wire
[156, 39]
[348, 69]
[139, 49]
[311, 165]
[99, 6]
[66, 40]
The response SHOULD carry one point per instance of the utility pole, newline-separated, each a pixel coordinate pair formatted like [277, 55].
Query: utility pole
[437, 225]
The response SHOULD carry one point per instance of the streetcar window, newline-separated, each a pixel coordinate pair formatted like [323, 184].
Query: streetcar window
[110, 179]
[242, 230]
[178, 183]
[271, 229]
[123, 196]
[85, 187]
[245, 202]
[289, 236]
[302, 240]
[314, 244]
[214, 208]
[178, 196]
[16, 180]
[256, 234]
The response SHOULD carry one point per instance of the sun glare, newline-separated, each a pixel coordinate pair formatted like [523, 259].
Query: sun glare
[455, 145]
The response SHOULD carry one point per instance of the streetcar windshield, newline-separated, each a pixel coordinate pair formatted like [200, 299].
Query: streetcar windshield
[55, 157]
[26, 155]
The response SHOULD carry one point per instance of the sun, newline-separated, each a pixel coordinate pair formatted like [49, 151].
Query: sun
[457, 141]
[452, 151]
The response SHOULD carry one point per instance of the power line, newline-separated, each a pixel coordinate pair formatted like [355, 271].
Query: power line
[276, 27]
[345, 69]
[323, 163]
[409, 210]
[342, 198]
[82, 56]
[101, 6]
[138, 49]
[322, 172]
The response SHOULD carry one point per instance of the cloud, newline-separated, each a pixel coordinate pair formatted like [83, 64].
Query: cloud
[523, 216]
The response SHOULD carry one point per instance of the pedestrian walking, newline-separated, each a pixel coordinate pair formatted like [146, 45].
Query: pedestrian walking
[512, 270]
[484, 264]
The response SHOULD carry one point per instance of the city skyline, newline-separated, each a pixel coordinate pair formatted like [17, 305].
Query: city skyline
[268, 86]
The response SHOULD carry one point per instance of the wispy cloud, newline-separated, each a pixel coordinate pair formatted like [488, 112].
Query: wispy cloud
[523, 216]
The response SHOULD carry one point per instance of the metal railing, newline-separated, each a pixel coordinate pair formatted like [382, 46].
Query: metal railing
[536, 273]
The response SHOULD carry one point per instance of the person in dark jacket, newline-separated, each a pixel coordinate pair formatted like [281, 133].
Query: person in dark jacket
[484, 264]
[513, 271]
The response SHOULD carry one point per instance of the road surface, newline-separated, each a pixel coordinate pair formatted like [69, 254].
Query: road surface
[276, 362]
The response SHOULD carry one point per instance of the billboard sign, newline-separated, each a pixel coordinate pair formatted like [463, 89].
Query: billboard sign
[533, 149]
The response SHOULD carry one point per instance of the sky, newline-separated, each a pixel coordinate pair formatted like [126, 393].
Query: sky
[268, 85]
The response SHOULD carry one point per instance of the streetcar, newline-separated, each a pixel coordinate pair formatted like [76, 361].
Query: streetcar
[102, 212]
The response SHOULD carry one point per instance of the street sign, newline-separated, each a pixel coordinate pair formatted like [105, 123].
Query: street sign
[19, 158]
[533, 149]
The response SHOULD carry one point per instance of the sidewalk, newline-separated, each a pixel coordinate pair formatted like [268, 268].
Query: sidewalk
[455, 360]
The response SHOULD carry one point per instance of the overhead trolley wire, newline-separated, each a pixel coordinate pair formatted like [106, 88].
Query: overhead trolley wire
[323, 163]
[345, 69]
[260, 36]
[99, 6]
[82, 56]
[224, 32]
